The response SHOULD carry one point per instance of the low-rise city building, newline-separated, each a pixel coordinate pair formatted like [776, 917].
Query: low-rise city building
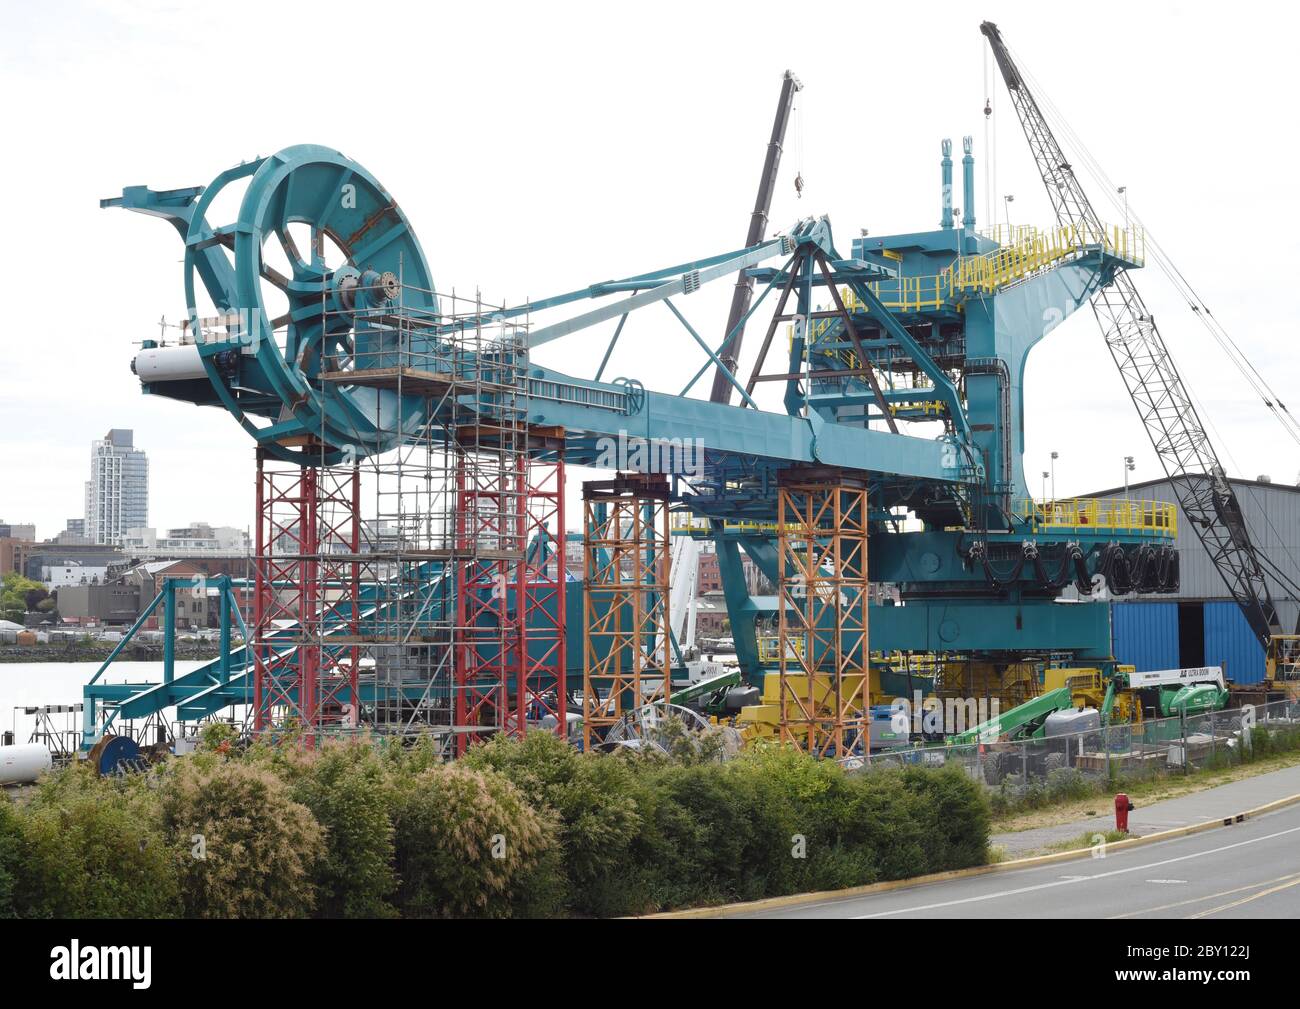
[14, 554]
[99, 604]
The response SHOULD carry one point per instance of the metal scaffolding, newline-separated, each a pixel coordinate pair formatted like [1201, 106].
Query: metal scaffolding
[440, 610]
[822, 525]
[626, 659]
[305, 603]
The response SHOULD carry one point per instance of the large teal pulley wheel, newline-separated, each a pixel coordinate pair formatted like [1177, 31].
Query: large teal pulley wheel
[320, 272]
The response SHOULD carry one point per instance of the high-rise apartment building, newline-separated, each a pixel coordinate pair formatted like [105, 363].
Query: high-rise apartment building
[117, 493]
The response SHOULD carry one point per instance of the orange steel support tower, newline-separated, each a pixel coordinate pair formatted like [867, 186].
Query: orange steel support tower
[822, 521]
[626, 659]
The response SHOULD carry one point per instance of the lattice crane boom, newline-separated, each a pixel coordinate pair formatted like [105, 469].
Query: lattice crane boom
[740, 299]
[1152, 379]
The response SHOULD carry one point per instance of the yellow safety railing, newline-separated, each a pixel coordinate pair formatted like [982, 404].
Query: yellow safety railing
[769, 648]
[1119, 514]
[907, 294]
[1031, 251]
[920, 663]
[1023, 251]
[680, 523]
[929, 407]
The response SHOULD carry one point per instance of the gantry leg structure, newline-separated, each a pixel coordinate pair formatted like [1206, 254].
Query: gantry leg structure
[626, 659]
[508, 640]
[306, 592]
[822, 524]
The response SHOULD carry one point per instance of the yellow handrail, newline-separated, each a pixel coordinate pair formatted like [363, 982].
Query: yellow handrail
[1031, 250]
[1122, 514]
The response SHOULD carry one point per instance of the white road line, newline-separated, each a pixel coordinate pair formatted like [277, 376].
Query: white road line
[1073, 880]
[1200, 900]
[1245, 900]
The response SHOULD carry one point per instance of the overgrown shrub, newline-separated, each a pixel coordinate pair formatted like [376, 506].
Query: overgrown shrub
[93, 847]
[218, 736]
[11, 848]
[953, 815]
[468, 844]
[648, 832]
[516, 828]
[345, 785]
[1068, 783]
[243, 848]
[594, 802]
[1266, 742]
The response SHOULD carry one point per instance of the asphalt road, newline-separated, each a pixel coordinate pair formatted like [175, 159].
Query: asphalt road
[1248, 870]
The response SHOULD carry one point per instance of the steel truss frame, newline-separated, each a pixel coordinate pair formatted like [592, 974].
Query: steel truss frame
[509, 646]
[823, 594]
[306, 589]
[626, 660]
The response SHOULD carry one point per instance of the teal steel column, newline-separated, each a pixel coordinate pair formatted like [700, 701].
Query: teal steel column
[169, 631]
[967, 186]
[946, 164]
[225, 591]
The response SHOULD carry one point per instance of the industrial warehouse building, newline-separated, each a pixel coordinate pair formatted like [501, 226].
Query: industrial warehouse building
[1201, 625]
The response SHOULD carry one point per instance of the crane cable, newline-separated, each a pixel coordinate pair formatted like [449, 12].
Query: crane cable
[990, 174]
[796, 114]
[1176, 277]
[1261, 386]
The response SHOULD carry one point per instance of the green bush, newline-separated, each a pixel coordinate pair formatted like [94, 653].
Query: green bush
[93, 847]
[218, 736]
[593, 800]
[345, 785]
[1266, 742]
[954, 818]
[243, 848]
[648, 832]
[790, 804]
[1067, 783]
[469, 845]
[11, 850]
[516, 828]
[697, 835]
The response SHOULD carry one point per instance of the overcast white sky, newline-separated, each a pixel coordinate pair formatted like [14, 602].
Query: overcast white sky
[541, 147]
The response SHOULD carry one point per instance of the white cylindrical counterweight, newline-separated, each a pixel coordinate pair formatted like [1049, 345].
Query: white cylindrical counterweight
[168, 364]
[23, 763]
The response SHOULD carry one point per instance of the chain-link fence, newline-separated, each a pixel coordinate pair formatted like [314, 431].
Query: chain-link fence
[1065, 765]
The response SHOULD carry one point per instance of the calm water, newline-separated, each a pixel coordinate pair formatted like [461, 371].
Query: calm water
[34, 683]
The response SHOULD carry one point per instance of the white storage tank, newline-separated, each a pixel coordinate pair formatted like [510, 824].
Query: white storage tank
[23, 763]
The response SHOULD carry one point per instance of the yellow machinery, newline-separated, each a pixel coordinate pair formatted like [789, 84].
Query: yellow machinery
[763, 720]
[1011, 684]
[1282, 665]
[1089, 688]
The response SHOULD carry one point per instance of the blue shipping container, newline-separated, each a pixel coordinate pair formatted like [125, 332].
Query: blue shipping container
[1230, 643]
[1145, 635]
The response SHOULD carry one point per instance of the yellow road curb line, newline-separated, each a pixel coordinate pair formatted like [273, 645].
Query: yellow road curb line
[798, 899]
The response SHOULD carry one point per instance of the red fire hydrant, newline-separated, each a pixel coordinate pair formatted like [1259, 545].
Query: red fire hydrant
[1123, 806]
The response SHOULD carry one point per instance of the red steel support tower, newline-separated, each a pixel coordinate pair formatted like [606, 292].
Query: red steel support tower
[305, 603]
[508, 639]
